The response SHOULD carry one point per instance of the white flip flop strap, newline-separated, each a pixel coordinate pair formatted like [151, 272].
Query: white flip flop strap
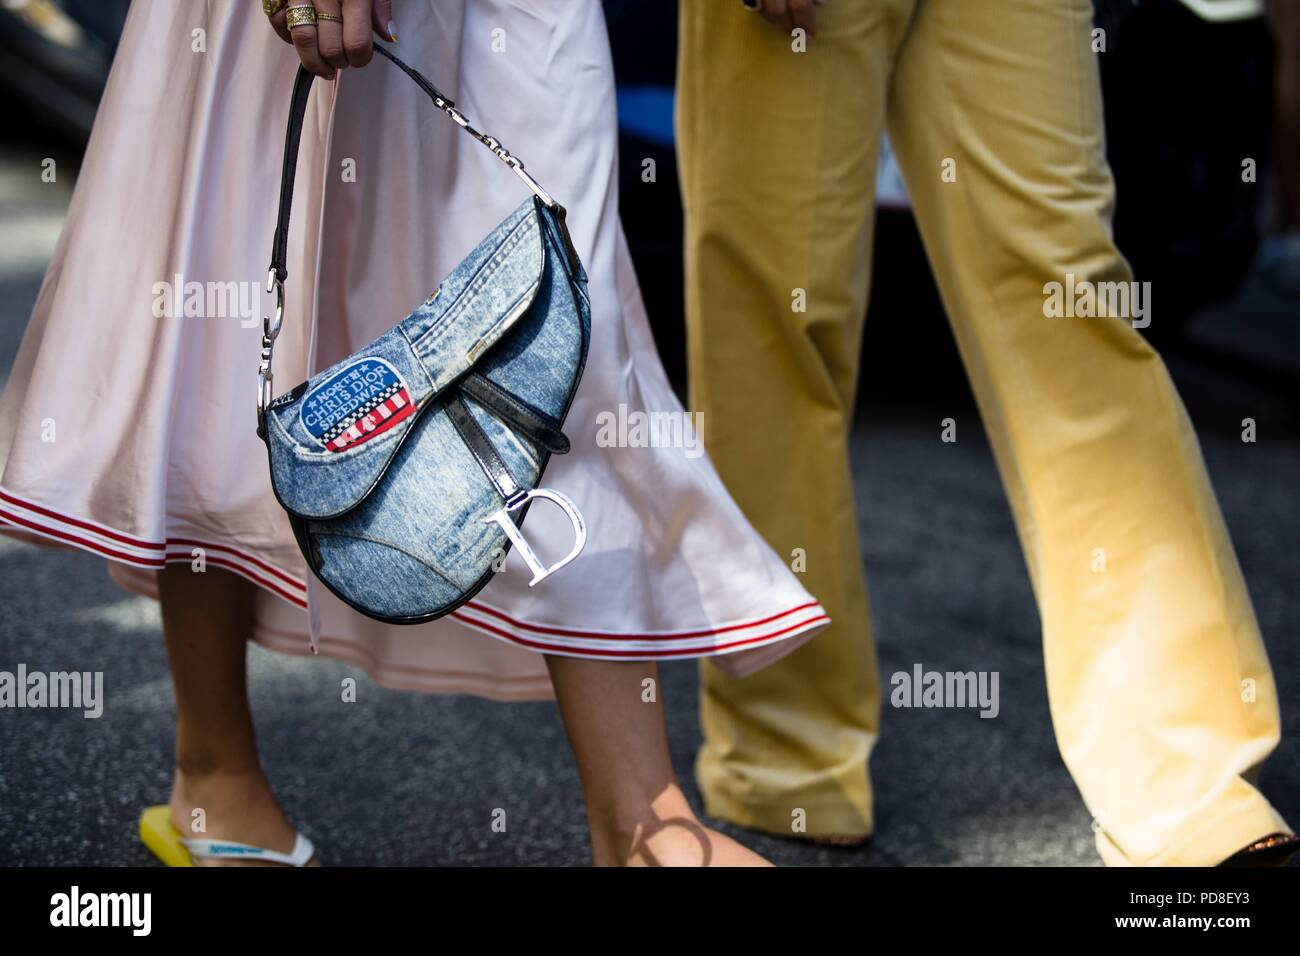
[227, 850]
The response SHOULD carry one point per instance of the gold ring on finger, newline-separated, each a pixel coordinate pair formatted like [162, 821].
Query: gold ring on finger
[303, 16]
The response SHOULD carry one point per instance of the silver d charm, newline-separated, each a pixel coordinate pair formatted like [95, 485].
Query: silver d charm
[516, 536]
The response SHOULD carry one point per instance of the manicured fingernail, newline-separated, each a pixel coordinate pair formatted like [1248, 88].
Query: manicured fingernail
[392, 31]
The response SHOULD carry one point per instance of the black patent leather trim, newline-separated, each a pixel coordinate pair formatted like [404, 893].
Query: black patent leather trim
[302, 532]
[481, 447]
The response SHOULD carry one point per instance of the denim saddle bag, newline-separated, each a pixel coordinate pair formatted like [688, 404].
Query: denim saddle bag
[408, 467]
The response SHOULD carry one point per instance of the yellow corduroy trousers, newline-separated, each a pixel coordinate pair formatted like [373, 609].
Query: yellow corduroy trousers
[1161, 694]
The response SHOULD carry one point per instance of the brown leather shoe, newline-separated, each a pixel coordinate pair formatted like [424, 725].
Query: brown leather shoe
[1276, 849]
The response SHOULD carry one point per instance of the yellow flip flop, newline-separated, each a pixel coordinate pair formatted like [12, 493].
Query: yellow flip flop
[165, 842]
[163, 839]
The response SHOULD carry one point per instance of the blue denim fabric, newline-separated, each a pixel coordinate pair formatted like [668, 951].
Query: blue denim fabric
[394, 524]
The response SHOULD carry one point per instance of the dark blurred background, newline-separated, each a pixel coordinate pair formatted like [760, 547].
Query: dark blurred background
[1191, 89]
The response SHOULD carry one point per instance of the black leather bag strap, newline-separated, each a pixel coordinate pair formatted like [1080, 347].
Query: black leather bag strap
[280, 246]
[293, 138]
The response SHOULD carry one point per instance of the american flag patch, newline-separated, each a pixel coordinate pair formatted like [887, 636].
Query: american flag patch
[360, 401]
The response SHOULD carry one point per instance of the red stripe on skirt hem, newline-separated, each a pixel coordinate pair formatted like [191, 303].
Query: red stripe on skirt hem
[460, 616]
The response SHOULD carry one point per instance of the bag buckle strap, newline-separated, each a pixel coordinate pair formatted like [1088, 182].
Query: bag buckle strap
[541, 429]
[516, 496]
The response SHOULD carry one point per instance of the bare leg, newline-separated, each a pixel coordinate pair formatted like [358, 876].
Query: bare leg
[636, 810]
[207, 618]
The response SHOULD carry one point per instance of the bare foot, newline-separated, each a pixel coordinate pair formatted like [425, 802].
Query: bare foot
[666, 833]
[686, 842]
[237, 806]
